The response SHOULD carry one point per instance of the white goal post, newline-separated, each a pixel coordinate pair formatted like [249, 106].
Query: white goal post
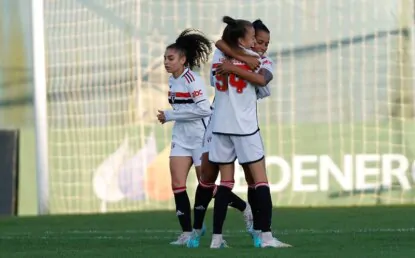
[40, 102]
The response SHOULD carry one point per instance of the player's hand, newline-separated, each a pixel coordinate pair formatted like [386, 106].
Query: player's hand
[161, 117]
[252, 62]
[225, 68]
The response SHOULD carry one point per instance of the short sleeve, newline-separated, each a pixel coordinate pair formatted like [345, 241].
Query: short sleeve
[267, 64]
[216, 60]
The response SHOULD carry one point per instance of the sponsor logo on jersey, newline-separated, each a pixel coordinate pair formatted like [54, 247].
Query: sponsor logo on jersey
[197, 93]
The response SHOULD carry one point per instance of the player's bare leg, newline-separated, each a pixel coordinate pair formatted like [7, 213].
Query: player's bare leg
[264, 202]
[198, 170]
[179, 170]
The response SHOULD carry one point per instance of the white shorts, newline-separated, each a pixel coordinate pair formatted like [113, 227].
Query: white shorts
[179, 151]
[207, 138]
[224, 149]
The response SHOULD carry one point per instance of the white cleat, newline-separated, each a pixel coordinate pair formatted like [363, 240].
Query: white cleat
[248, 218]
[182, 239]
[268, 241]
[218, 242]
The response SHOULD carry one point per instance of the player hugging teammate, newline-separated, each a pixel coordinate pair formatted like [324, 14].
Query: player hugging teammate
[235, 132]
[235, 128]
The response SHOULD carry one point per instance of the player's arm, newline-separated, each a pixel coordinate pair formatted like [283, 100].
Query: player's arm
[263, 92]
[212, 75]
[200, 110]
[261, 79]
[266, 65]
[240, 55]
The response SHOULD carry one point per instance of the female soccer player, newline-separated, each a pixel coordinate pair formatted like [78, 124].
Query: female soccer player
[265, 73]
[211, 171]
[189, 100]
[263, 77]
[236, 134]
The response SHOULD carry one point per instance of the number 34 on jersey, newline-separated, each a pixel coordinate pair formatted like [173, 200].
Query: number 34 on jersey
[235, 101]
[222, 82]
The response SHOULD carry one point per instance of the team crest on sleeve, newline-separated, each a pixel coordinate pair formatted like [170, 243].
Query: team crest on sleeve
[173, 96]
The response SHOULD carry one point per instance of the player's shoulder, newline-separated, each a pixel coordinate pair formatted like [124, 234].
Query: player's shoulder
[251, 52]
[218, 54]
[171, 81]
[217, 51]
[191, 77]
[266, 60]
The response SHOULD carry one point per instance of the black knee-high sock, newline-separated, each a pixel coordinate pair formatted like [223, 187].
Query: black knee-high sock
[264, 202]
[204, 194]
[183, 208]
[254, 206]
[236, 202]
[221, 207]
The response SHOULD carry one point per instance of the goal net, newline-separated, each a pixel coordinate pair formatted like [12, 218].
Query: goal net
[337, 128]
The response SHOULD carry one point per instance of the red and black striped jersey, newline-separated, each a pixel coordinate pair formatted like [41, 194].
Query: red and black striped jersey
[190, 109]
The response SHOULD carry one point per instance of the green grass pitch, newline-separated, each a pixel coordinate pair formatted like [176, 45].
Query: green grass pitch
[322, 232]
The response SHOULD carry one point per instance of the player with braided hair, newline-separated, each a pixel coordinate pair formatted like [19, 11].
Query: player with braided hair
[190, 110]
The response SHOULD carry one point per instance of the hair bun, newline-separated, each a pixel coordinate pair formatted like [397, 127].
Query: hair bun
[229, 20]
[257, 22]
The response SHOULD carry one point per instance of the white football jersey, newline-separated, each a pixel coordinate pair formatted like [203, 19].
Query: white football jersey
[268, 64]
[191, 109]
[235, 101]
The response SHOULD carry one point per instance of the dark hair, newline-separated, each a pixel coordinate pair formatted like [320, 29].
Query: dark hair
[194, 45]
[234, 30]
[258, 25]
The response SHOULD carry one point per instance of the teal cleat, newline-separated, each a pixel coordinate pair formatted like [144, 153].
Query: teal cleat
[256, 237]
[194, 240]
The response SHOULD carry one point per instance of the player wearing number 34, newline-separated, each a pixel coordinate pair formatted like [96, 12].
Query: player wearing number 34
[236, 133]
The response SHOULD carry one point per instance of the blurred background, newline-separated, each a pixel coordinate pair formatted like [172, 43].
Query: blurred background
[343, 87]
